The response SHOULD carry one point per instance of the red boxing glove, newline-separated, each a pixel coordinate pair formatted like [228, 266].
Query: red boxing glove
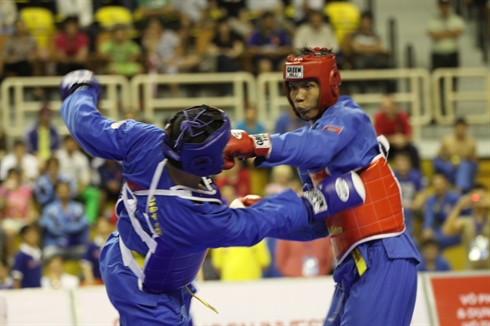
[242, 145]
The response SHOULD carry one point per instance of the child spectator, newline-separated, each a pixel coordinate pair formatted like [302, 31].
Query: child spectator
[20, 159]
[42, 139]
[44, 187]
[412, 189]
[65, 226]
[90, 261]
[432, 261]
[251, 124]
[6, 281]
[27, 263]
[56, 278]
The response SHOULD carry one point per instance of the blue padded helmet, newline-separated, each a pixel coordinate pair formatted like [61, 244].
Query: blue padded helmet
[194, 140]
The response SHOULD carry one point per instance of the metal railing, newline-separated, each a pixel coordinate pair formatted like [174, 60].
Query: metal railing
[142, 87]
[418, 95]
[14, 109]
[447, 114]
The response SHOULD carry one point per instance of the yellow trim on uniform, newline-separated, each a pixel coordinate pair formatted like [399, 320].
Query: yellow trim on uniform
[359, 260]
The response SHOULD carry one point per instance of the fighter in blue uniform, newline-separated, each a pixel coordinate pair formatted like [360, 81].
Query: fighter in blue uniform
[170, 212]
[376, 276]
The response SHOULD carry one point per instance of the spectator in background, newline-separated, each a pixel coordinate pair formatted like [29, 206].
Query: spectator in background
[457, 158]
[437, 209]
[251, 124]
[444, 32]
[75, 165]
[474, 228]
[19, 158]
[6, 281]
[71, 47]
[301, 9]
[19, 52]
[241, 263]
[16, 203]
[42, 139]
[412, 190]
[316, 33]
[8, 14]
[90, 261]
[281, 176]
[195, 10]
[44, 189]
[257, 8]
[395, 125]
[367, 50]
[227, 46]
[26, 270]
[432, 260]
[307, 259]
[111, 181]
[289, 121]
[269, 45]
[65, 226]
[121, 53]
[237, 177]
[56, 278]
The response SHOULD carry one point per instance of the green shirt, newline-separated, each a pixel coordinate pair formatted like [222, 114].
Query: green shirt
[122, 52]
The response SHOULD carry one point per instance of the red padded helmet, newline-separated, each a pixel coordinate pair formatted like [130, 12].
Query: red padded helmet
[318, 64]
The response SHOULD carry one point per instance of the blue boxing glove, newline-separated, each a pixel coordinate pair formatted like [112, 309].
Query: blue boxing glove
[334, 195]
[78, 80]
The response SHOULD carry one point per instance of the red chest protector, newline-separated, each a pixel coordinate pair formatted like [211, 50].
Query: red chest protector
[381, 215]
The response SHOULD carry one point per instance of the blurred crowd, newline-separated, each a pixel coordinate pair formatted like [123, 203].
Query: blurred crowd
[57, 202]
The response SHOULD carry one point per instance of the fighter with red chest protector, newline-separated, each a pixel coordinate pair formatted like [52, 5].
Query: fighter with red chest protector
[376, 274]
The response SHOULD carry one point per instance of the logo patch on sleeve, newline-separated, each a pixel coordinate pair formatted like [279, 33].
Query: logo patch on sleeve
[294, 72]
[117, 124]
[334, 129]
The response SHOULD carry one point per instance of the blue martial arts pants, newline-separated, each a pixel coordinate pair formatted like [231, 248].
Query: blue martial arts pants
[137, 308]
[383, 296]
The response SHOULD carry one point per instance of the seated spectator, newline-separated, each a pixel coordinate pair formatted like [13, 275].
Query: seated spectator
[20, 159]
[90, 261]
[304, 259]
[432, 260]
[227, 46]
[437, 208]
[368, 52]
[163, 49]
[19, 52]
[26, 270]
[281, 176]
[251, 124]
[237, 177]
[316, 33]
[71, 47]
[44, 189]
[457, 158]
[241, 263]
[395, 125]
[111, 181]
[8, 14]
[56, 278]
[75, 165]
[16, 203]
[289, 121]
[42, 139]
[65, 226]
[269, 45]
[412, 190]
[474, 228]
[6, 281]
[121, 53]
